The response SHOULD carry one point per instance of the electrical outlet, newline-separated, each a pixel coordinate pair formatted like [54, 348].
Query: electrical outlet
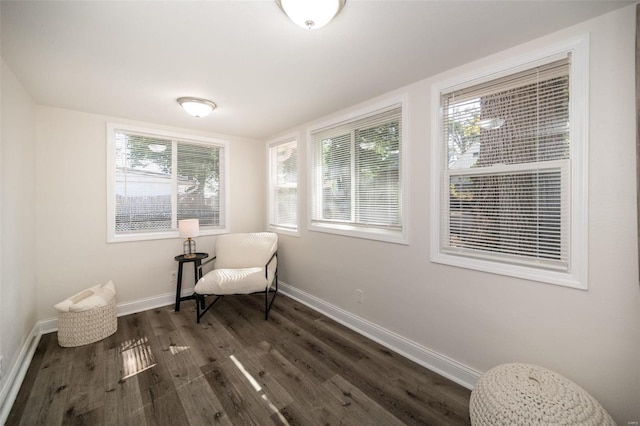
[359, 296]
[173, 277]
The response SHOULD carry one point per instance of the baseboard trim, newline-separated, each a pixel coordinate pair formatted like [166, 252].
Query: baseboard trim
[9, 391]
[438, 363]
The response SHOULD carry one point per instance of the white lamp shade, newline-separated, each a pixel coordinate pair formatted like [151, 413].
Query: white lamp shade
[311, 14]
[196, 107]
[189, 228]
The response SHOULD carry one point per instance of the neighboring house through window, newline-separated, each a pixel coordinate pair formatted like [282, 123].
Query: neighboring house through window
[510, 168]
[283, 185]
[358, 174]
[156, 178]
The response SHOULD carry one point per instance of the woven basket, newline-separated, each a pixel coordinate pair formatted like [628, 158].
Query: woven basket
[525, 394]
[82, 328]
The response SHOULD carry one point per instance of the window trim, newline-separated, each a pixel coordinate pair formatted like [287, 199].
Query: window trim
[577, 275]
[112, 237]
[367, 232]
[291, 137]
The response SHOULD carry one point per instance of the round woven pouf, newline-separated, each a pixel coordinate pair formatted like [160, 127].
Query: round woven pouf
[525, 394]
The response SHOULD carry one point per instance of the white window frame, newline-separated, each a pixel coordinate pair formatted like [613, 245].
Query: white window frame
[112, 237]
[577, 274]
[373, 233]
[293, 137]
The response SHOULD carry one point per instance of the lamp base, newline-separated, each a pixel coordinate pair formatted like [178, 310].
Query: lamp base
[189, 249]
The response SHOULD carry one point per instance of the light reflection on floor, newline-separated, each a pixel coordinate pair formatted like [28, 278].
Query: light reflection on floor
[246, 374]
[136, 357]
[177, 349]
[258, 388]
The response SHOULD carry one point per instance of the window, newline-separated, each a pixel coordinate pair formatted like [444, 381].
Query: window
[156, 178]
[511, 171]
[283, 186]
[357, 175]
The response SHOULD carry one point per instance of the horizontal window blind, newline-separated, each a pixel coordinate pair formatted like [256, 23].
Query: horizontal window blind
[548, 71]
[356, 171]
[510, 215]
[200, 183]
[159, 181]
[506, 193]
[284, 185]
[143, 183]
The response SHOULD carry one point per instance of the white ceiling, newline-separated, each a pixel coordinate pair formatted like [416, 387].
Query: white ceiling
[133, 59]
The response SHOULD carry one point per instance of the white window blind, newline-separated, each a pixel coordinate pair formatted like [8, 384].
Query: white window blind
[160, 180]
[283, 164]
[506, 169]
[356, 171]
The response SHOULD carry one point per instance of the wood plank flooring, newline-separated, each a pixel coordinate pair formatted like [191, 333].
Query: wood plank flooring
[234, 368]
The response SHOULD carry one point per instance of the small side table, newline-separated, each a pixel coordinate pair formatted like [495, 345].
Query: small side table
[197, 261]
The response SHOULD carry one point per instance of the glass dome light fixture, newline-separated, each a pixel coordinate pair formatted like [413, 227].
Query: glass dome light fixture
[196, 107]
[311, 14]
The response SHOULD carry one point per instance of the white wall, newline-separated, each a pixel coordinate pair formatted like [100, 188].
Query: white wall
[482, 320]
[71, 210]
[17, 246]
[53, 175]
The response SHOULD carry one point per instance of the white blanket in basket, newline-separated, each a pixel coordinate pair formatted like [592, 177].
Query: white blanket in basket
[96, 296]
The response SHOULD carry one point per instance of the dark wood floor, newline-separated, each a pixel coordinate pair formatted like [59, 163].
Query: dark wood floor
[298, 368]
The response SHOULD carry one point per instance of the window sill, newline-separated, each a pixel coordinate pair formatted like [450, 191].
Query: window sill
[565, 279]
[124, 238]
[378, 234]
[284, 231]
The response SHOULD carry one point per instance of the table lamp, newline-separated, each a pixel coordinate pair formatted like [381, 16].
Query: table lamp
[189, 228]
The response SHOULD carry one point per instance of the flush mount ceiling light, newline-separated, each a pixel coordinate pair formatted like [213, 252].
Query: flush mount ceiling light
[197, 107]
[311, 14]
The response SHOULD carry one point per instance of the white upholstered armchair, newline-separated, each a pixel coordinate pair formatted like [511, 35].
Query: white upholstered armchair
[244, 264]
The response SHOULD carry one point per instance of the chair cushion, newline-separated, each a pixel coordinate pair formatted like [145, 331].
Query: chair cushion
[234, 281]
[245, 250]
